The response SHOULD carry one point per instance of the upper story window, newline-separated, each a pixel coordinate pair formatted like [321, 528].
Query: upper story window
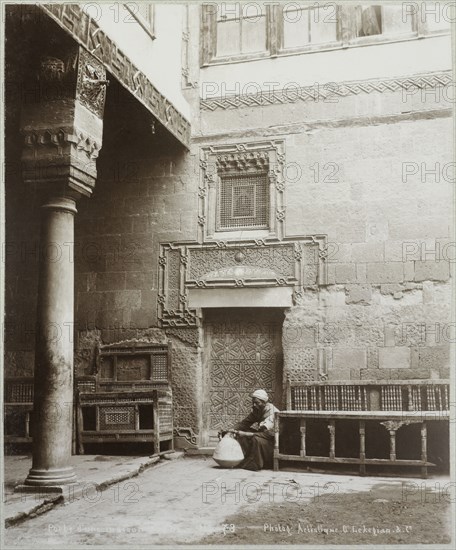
[237, 31]
[308, 24]
[241, 29]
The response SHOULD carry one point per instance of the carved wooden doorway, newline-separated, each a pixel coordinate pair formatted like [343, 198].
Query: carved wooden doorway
[242, 352]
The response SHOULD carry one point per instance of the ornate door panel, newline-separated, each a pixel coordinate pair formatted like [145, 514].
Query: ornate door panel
[243, 352]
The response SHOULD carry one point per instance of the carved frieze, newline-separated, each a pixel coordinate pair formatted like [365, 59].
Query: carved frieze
[67, 147]
[233, 264]
[91, 84]
[330, 91]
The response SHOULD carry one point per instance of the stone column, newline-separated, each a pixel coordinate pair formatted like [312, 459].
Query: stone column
[53, 407]
[62, 138]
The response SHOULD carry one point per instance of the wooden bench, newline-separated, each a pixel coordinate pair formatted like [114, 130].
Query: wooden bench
[358, 407]
[18, 401]
[129, 399]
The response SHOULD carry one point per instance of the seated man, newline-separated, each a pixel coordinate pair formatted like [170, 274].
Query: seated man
[257, 444]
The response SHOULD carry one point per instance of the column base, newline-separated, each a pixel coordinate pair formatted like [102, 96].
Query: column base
[52, 478]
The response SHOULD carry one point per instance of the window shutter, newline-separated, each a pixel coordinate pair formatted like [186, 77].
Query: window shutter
[208, 32]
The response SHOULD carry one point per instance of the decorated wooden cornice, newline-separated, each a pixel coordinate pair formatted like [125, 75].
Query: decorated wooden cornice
[74, 20]
[299, 263]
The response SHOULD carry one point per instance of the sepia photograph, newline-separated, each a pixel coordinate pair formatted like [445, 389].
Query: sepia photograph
[227, 279]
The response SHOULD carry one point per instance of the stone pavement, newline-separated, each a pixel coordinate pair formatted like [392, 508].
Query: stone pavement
[94, 473]
[175, 501]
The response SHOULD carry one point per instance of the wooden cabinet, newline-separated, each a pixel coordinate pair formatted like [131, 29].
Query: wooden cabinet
[129, 399]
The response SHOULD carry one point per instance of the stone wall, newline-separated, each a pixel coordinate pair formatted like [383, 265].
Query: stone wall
[361, 171]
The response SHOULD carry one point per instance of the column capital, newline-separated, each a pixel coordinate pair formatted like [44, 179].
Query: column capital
[63, 124]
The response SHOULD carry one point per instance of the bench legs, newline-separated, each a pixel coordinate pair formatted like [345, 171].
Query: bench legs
[362, 447]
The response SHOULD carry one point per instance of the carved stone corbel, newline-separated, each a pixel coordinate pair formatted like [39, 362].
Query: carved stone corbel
[63, 128]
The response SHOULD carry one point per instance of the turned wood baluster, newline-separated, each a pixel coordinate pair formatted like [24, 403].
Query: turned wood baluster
[303, 437]
[344, 400]
[384, 406]
[418, 391]
[332, 439]
[396, 398]
[362, 447]
[366, 405]
[306, 400]
[438, 391]
[313, 398]
[399, 397]
[410, 399]
[359, 400]
[445, 407]
[430, 398]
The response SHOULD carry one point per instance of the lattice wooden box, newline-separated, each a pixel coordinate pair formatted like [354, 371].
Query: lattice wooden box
[129, 399]
[124, 417]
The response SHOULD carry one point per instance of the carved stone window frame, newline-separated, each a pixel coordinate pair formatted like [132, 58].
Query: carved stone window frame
[217, 159]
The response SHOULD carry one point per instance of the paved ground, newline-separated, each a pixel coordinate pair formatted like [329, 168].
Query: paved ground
[183, 501]
[94, 473]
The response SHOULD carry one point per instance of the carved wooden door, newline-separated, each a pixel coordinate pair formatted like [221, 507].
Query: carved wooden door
[243, 352]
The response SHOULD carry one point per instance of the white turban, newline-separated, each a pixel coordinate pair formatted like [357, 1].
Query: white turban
[261, 394]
